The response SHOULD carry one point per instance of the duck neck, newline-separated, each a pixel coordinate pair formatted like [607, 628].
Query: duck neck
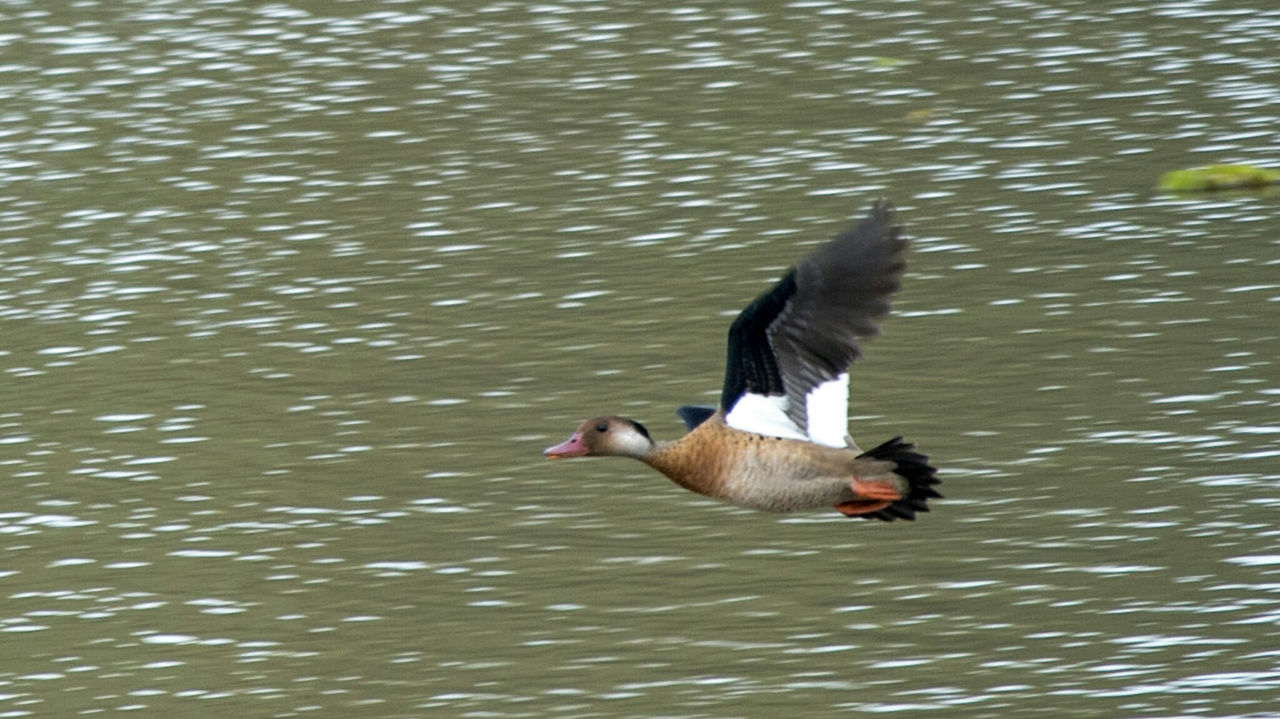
[686, 462]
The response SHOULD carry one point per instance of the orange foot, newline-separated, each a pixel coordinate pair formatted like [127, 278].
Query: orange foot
[873, 497]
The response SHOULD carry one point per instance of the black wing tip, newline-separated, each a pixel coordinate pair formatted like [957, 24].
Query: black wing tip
[920, 475]
[884, 217]
[694, 414]
[883, 207]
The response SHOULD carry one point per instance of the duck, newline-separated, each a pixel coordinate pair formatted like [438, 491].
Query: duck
[778, 441]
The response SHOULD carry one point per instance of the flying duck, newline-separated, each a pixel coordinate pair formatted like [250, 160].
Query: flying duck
[779, 441]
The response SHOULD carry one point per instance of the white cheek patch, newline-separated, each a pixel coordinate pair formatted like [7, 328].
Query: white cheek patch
[827, 412]
[633, 443]
[763, 414]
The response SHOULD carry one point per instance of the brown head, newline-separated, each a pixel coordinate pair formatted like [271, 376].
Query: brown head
[605, 437]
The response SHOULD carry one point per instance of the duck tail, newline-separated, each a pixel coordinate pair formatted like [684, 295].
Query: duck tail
[915, 468]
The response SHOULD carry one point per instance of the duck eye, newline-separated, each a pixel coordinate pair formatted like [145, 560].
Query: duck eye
[602, 427]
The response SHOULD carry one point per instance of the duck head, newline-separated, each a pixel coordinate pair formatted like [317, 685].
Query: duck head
[604, 437]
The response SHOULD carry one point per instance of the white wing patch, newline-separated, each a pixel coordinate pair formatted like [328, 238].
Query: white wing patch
[763, 414]
[827, 412]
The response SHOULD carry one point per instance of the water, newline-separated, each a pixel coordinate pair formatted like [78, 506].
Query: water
[293, 296]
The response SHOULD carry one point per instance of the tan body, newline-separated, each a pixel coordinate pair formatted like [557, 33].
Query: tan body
[765, 473]
[746, 469]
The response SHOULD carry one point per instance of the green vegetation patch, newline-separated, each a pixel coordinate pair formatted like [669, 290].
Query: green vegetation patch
[1218, 177]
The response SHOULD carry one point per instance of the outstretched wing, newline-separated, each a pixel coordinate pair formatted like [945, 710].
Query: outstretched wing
[790, 349]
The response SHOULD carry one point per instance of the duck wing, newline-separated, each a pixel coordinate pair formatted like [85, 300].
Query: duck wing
[694, 415]
[790, 349]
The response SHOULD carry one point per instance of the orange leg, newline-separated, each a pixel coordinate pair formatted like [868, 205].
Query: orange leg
[873, 497]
